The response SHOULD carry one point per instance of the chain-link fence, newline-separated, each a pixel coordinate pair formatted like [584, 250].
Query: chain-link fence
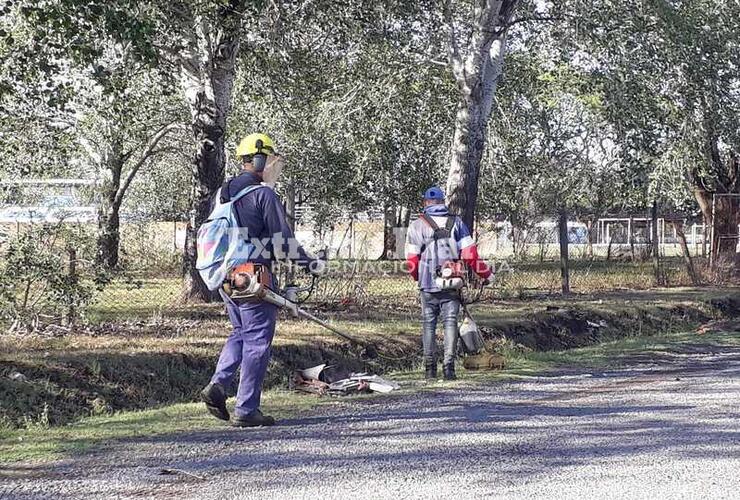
[152, 278]
[151, 282]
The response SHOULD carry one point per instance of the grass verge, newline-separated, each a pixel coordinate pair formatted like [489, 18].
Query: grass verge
[39, 443]
[160, 361]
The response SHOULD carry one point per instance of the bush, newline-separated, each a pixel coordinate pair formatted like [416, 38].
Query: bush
[40, 277]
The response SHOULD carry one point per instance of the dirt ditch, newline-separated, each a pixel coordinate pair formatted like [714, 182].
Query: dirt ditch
[55, 386]
[569, 328]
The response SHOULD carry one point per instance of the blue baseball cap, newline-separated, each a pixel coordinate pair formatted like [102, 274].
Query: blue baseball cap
[434, 193]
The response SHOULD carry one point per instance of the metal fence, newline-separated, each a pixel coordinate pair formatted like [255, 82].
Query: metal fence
[154, 285]
[151, 279]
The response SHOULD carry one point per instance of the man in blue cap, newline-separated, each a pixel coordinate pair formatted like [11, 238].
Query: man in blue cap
[436, 245]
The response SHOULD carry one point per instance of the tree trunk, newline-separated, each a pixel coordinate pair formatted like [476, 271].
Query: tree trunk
[207, 78]
[113, 185]
[346, 237]
[108, 240]
[720, 212]
[724, 229]
[467, 151]
[290, 215]
[290, 204]
[678, 226]
[389, 236]
[717, 190]
[404, 217]
[477, 69]
[402, 225]
[589, 237]
[520, 233]
[563, 240]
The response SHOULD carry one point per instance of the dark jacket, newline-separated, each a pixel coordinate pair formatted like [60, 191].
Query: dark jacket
[262, 213]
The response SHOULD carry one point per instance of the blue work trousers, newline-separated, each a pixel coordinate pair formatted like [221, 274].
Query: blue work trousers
[247, 348]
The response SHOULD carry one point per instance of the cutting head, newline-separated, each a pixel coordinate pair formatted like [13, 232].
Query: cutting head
[369, 352]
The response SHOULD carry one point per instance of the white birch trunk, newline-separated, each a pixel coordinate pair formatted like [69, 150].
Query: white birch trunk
[477, 74]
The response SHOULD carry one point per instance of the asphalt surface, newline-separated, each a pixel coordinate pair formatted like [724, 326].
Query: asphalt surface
[661, 427]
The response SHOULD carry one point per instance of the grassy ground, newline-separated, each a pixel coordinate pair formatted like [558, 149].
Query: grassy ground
[60, 395]
[140, 364]
[39, 443]
[154, 361]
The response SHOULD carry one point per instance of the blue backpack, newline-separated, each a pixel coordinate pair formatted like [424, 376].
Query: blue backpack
[221, 243]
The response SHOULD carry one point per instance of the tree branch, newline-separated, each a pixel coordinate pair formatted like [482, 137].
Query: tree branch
[454, 49]
[148, 152]
[533, 18]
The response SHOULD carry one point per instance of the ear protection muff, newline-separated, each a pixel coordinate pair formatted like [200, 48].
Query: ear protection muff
[259, 162]
[260, 159]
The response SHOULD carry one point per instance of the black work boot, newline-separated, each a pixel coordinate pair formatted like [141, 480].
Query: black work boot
[430, 371]
[254, 419]
[214, 396]
[449, 371]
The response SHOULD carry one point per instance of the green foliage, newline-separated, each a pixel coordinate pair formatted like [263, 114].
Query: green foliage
[552, 147]
[362, 123]
[603, 105]
[669, 74]
[41, 277]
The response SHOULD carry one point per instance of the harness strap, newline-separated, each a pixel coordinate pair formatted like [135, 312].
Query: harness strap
[439, 234]
[224, 191]
[429, 220]
[449, 226]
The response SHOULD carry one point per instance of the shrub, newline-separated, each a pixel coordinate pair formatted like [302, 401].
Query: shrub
[41, 273]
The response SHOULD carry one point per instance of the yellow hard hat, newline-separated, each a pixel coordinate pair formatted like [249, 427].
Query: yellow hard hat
[255, 143]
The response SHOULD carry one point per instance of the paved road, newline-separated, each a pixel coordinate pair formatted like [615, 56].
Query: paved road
[664, 427]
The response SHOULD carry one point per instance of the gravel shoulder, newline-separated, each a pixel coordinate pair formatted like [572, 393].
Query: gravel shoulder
[661, 426]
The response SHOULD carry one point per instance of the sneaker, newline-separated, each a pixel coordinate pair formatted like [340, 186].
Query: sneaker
[254, 419]
[449, 372]
[430, 371]
[214, 396]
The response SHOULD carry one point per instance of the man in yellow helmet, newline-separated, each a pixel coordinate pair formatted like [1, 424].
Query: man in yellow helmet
[261, 213]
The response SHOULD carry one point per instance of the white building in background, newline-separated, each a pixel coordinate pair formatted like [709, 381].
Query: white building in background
[352, 235]
[609, 235]
[26, 201]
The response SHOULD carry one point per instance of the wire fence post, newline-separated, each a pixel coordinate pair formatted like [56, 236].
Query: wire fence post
[563, 239]
[712, 244]
[73, 278]
[655, 244]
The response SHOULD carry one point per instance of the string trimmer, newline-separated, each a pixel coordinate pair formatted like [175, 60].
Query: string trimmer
[254, 289]
[478, 356]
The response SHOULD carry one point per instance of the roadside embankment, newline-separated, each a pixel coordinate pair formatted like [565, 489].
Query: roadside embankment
[134, 365]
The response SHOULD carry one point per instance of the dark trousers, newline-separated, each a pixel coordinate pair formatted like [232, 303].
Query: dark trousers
[435, 305]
